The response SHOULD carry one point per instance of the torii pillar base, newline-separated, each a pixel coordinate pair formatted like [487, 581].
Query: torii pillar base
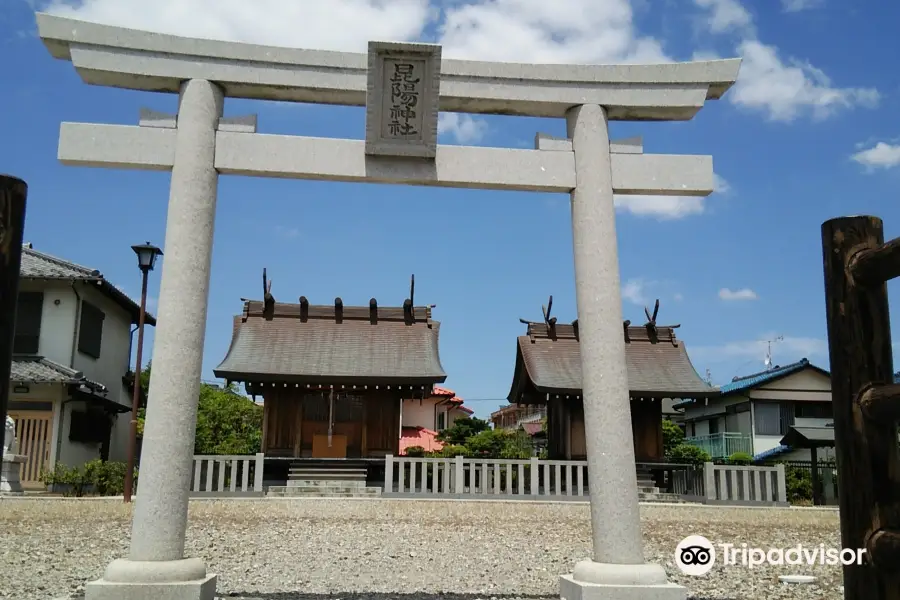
[599, 581]
[184, 579]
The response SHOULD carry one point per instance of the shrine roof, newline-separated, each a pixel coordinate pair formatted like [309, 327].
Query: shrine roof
[548, 360]
[303, 343]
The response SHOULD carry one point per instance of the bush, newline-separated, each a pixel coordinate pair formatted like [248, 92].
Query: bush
[95, 477]
[415, 452]
[740, 458]
[673, 435]
[689, 455]
[798, 484]
[451, 451]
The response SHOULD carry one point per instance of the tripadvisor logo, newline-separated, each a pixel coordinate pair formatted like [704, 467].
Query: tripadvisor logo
[696, 555]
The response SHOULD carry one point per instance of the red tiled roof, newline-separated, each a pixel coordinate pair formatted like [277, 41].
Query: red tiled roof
[442, 391]
[532, 428]
[419, 436]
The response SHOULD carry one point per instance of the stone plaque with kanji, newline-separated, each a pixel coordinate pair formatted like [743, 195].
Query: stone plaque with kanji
[402, 99]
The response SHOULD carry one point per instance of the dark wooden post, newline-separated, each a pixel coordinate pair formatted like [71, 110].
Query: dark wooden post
[13, 193]
[857, 265]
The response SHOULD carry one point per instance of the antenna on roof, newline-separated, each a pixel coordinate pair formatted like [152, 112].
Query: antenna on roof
[268, 298]
[769, 364]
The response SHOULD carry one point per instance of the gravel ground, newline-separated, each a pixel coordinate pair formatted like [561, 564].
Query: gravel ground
[395, 549]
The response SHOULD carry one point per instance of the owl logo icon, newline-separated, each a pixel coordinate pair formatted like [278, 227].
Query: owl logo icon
[695, 555]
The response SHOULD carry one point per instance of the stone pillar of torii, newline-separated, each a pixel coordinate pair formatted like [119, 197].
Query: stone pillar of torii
[403, 87]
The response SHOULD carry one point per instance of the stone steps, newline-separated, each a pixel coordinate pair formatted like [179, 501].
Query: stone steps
[327, 475]
[326, 489]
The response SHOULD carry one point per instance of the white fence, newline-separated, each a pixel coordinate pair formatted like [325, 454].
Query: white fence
[222, 475]
[567, 480]
[732, 484]
[497, 478]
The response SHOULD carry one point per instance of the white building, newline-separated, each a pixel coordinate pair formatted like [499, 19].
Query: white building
[755, 412]
[72, 350]
[422, 419]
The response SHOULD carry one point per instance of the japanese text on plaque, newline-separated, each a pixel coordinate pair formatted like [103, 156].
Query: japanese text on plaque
[404, 113]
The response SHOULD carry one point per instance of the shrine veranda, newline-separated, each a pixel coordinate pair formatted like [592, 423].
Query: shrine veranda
[403, 87]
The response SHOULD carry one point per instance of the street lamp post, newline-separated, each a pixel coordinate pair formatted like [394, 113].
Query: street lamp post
[147, 255]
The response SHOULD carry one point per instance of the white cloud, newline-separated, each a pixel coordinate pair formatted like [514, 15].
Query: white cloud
[800, 5]
[786, 91]
[286, 232]
[720, 185]
[741, 294]
[879, 156]
[537, 31]
[678, 297]
[725, 15]
[464, 128]
[578, 31]
[789, 348]
[634, 291]
[332, 25]
[781, 89]
[669, 208]
[664, 208]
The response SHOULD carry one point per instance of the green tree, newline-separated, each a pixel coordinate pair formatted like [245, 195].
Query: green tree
[672, 436]
[462, 429]
[227, 422]
[690, 455]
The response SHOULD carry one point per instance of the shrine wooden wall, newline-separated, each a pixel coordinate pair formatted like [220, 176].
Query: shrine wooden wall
[292, 417]
[566, 430]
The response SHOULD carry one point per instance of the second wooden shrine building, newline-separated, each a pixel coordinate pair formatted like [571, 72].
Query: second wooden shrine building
[548, 372]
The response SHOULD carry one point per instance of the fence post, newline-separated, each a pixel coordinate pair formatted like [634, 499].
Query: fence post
[857, 265]
[709, 481]
[781, 483]
[459, 475]
[258, 472]
[534, 477]
[388, 473]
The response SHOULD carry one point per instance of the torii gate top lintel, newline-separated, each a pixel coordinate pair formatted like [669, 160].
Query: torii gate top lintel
[140, 60]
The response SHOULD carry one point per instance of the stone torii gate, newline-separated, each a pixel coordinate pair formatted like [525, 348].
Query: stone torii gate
[403, 87]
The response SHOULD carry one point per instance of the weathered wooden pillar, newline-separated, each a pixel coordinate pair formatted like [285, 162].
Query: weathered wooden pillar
[13, 195]
[865, 401]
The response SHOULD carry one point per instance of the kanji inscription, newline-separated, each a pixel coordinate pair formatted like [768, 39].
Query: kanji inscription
[402, 99]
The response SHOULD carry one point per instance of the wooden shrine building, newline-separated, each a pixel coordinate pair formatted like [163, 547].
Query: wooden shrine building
[332, 377]
[548, 372]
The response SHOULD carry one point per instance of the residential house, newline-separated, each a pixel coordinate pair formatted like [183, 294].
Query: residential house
[548, 374]
[754, 413]
[514, 416]
[71, 354]
[423, 418]
[333, 378]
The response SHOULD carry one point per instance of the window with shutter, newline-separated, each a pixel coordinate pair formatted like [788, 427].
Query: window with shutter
[90, 332]
[769, 419]
[29, 307]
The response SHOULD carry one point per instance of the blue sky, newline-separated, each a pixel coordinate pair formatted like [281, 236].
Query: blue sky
[810, 132]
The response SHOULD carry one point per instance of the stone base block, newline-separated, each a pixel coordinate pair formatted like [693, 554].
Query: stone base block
[570, 589]
[184, 579]
[203, 589]
[10, 485]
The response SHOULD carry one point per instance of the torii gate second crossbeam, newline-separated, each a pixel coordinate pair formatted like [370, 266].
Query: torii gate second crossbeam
[403, 87]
